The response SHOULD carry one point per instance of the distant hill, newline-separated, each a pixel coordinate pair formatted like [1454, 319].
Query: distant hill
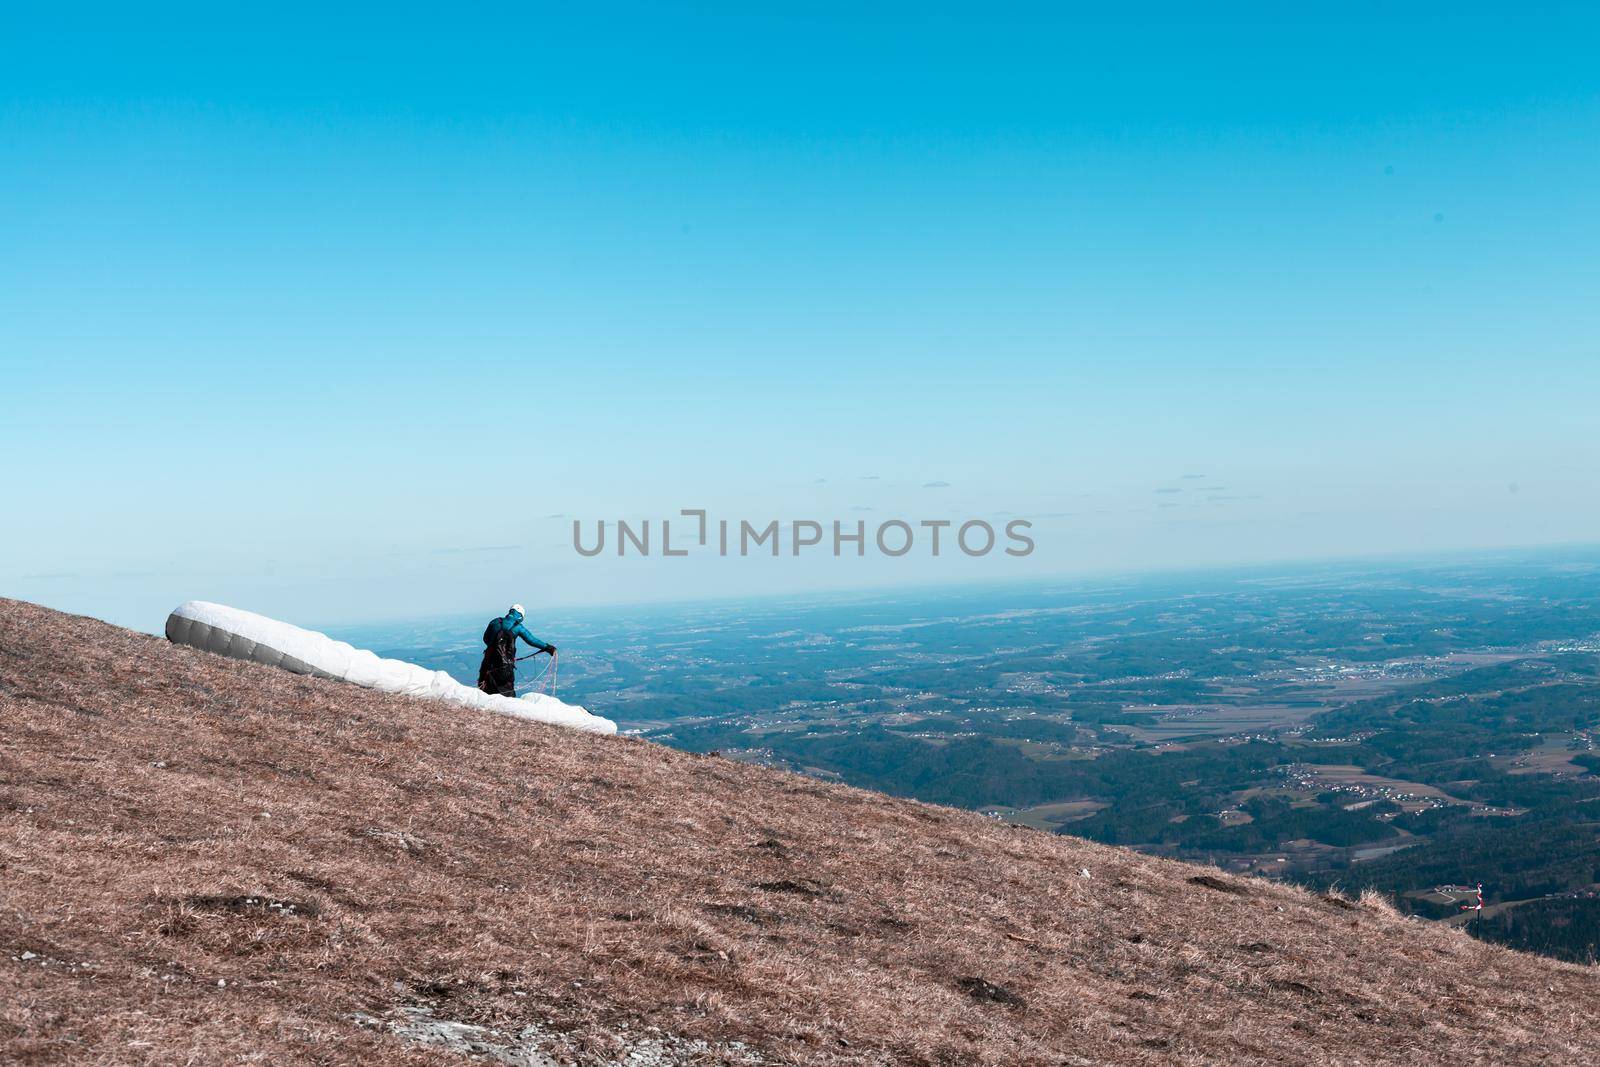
[207, 861]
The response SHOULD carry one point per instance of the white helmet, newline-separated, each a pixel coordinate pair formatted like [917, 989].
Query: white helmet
[518, 609]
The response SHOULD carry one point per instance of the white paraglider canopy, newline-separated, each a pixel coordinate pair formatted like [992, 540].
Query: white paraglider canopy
[248, 636]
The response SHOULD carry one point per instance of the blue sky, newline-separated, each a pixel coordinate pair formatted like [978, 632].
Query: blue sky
[327, 315]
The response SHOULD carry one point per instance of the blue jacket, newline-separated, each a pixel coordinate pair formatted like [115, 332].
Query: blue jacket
[511, 625]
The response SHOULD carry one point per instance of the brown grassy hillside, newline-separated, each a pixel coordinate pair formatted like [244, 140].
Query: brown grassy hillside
[203, 861]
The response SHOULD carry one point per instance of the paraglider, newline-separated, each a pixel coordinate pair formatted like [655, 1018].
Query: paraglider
[248, 636]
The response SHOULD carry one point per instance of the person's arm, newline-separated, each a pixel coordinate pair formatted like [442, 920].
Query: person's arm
[522, 631]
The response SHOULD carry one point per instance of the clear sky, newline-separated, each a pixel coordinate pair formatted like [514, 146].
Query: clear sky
[328, 313]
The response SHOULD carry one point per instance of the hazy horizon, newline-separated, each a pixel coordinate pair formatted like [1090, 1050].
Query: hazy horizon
[1166, 578]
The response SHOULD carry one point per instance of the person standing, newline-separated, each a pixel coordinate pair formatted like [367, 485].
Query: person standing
[497, 674]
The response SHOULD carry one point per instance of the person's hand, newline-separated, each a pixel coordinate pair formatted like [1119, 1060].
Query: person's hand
[550, 649]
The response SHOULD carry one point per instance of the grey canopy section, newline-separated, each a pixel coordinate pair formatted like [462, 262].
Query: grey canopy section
[182, 630]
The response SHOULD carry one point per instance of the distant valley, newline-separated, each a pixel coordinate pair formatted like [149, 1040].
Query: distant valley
[1414, 728]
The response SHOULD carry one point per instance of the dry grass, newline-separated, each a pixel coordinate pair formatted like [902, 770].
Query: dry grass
[206, 861]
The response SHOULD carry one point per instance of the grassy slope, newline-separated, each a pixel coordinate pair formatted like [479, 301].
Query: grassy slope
[449, 858]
